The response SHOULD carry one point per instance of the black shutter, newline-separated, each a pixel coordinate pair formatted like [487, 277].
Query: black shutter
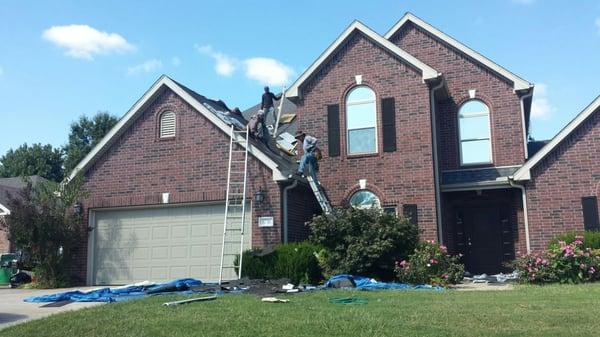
[410, 211]
[333, 129]
[388, 121]
[590, 213]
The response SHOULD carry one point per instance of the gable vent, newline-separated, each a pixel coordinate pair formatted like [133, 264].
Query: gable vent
[167, 125]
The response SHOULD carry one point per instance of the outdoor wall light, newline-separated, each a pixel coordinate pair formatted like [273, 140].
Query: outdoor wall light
[77, 209]
[259, 196]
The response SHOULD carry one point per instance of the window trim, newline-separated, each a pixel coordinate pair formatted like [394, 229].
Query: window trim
[461, 141]
[160, 125]
[347, 129]
[369, 191]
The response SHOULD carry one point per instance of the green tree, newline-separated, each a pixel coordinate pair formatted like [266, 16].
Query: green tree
[84, 135]
[37, 159]
[44, 225]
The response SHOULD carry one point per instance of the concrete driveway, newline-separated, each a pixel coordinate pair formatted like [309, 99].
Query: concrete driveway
[14, 311]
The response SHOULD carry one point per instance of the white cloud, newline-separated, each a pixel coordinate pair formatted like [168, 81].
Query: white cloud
[176, 61]
[541, 108]
[597, 24]
[266, 71]
[83, 41]
[145, 67]
[224, 64]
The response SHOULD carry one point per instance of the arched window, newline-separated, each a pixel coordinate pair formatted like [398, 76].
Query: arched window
[167, 124]
[361, 121]
[474, 132]
[364, 199]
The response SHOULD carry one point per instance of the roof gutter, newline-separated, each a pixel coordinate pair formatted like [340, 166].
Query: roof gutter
[525, 215]
[436, 173]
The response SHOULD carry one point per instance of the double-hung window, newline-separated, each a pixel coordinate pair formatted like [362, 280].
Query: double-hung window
[474, 133]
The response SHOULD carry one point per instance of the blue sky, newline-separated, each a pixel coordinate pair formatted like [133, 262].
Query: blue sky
[63, 59]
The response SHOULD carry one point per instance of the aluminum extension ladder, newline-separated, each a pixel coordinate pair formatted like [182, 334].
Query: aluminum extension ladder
[235, 204]
[319, 194]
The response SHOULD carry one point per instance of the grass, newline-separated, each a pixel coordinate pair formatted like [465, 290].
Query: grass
[563, 310]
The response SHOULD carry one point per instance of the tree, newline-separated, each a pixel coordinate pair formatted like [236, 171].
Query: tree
[37, 159]
[85, 134]
[44, 225]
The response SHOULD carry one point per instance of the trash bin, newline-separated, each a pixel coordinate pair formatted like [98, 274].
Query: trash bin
[6, 269]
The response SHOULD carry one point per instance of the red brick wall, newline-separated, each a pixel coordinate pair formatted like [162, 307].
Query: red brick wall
[401, 177]
[559, 182]
[139, 167]
[4, 243]
[463, 74]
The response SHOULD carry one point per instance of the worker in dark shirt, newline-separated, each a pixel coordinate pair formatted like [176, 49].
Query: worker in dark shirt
[266, 104]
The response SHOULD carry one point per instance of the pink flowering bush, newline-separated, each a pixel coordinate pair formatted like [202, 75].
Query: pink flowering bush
[430, 264]
[560, 263]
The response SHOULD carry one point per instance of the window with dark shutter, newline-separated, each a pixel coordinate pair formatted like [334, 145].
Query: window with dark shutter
[590, 213]
[333, 129]
[388, 121]
[410, 212]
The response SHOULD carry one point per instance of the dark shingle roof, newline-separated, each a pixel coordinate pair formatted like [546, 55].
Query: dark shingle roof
[488, 174]
[534, 146]
[11, 187]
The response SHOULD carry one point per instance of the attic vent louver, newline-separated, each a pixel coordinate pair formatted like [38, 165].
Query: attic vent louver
[167, 125]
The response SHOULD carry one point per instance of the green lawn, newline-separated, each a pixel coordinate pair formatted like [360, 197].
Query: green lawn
[526, 311]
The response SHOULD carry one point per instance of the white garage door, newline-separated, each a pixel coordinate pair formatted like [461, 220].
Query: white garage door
[160, 244]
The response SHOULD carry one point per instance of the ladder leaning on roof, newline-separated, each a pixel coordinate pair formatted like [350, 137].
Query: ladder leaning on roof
[235, 203]
[319, 193]
[279, 112]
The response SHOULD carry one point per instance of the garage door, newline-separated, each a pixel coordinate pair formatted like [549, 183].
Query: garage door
[159, 244]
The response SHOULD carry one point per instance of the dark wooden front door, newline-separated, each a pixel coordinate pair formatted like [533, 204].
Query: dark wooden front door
[484, 247]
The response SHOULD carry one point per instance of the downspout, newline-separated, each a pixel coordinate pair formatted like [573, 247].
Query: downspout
[522, 99]
[525, 216]
[285, 209]
[438, 202]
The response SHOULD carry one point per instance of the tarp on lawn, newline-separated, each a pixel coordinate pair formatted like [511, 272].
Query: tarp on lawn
[180, 286]
[366, 283]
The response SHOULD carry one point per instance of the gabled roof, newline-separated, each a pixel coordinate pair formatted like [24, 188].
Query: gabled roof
[524, 173]
[427, 72]
[518, 82]
[197, 101]
[11, 187]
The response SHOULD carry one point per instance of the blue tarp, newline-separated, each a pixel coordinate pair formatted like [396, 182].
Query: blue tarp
[366, 283]
[180, 286]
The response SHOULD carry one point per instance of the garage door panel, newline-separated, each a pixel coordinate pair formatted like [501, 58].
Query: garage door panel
[160, 244]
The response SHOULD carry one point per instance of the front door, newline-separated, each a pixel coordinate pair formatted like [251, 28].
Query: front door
[483, 244]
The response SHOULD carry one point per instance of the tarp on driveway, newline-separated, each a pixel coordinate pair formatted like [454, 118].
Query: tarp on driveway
[180, 286]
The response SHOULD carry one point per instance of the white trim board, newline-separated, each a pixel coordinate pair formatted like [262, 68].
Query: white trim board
[524, 173]
[146, 99]
[518, 82]
[427, 72]
[4, 210]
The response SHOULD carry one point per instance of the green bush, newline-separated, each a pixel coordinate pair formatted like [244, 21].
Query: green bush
[362, 242]
[296, 261]
[591, 239]
[430, 264]
[561, 263]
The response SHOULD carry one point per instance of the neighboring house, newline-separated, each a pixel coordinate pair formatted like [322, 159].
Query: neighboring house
[11, 188]
[414, 122]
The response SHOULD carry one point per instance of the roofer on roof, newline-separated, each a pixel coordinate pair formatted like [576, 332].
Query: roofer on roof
[266, 104]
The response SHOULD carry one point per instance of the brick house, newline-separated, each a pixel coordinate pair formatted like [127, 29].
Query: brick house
[413, 121]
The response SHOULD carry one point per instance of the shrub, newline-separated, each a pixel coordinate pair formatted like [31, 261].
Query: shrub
[296, 261]
[560, 263]
[43, 226]
[591, 239]
[430, 264]
[362, 242]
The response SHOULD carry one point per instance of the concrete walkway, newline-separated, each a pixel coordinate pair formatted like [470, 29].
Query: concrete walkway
[14, 311]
